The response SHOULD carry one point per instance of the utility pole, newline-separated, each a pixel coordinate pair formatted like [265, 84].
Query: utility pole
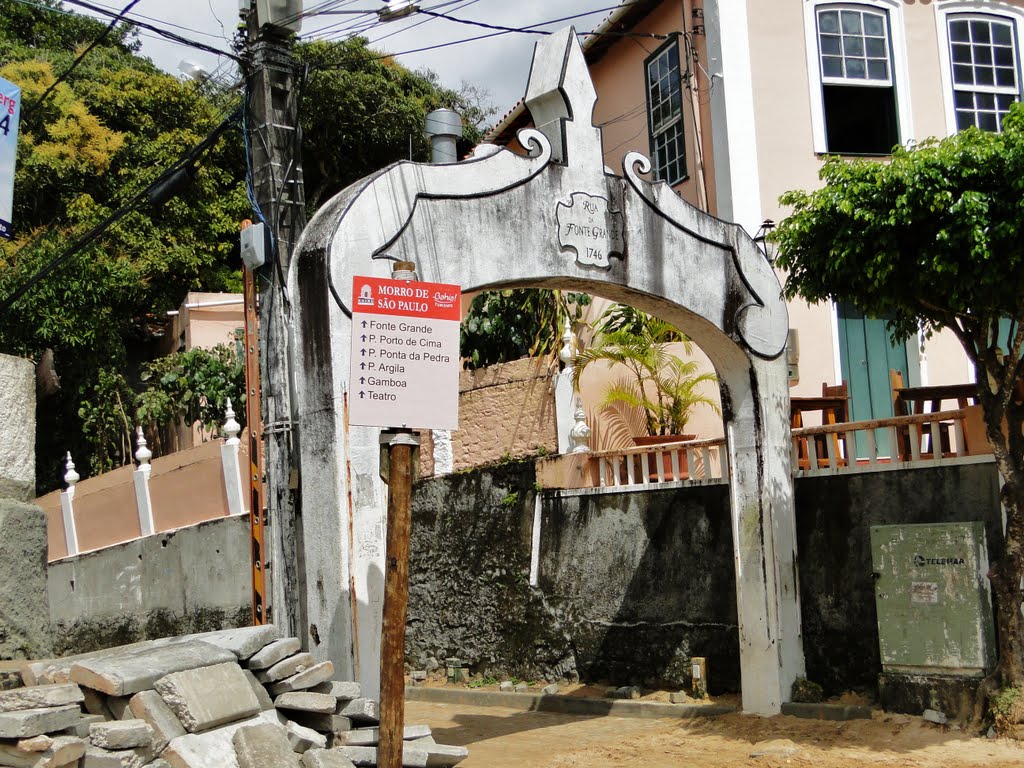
[273, 139]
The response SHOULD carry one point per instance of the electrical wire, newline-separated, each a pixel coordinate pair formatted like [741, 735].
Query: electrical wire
[172, 36]
[182, 162]
[67, 72]
[136, 15]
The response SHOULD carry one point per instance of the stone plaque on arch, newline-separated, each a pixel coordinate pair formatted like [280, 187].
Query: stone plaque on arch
[591, 228]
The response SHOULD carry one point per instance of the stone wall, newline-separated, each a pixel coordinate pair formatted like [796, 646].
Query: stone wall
[632, 584]
[505, 410]
[23, 627]
[194, 579]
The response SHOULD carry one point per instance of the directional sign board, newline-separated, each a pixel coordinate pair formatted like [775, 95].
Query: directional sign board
[405, 354]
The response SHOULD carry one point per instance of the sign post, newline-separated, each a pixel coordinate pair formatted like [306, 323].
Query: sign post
[10, 112]
[405, 373]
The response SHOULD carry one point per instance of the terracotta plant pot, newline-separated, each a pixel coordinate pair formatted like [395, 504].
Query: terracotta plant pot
[648, 440]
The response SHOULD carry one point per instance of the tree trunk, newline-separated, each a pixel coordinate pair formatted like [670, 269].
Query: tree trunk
[1003, 421]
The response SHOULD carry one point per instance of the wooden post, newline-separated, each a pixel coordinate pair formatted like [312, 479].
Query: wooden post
[254, 429]
[401, 446]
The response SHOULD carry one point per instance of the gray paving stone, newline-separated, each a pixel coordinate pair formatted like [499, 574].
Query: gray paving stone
[303, 738]
[442, 755]
[325, 758]
[32, 722]
[208, 697]
[95, 703]
[338, 689]
[118, 706]
[259, 690]
[274, 652]
[122, 734]
[81, 728]
[550, 690]
[319, 722]
[264, 746]
[360, 710]
[150, 707]
[243, 641]
[315, 675]
[367, 756]
[369, 737]
[138, 670]
[212, 749]
[40, 696]
[97, 757]
[286, 668]
[305, 701]
[59, 751]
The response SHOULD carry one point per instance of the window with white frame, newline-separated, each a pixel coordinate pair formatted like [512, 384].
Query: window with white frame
[665, 114]
[858, 87]
[984, 68]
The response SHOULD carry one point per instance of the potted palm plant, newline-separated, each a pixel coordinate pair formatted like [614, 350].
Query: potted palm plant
[663, 387]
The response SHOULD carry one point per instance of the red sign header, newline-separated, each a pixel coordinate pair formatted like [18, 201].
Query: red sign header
[381, 296]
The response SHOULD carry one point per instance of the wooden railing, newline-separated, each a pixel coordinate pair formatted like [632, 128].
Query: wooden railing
[921, 438]
[693, 460]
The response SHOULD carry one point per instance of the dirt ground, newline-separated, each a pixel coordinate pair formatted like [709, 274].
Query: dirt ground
[503, 738]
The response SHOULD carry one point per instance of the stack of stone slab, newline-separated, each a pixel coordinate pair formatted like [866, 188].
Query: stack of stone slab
[242, 698]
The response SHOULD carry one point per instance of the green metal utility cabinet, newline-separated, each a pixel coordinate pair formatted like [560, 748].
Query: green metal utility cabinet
[933, 600]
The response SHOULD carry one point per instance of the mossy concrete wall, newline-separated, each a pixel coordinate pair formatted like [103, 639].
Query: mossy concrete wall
[193, 579]
[633, 584]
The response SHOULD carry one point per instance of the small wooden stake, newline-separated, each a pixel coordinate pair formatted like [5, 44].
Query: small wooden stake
[396, 598]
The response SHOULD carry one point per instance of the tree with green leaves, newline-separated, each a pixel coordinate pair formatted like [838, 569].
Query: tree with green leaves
[932, 240]
[361, 111]
[102, 135]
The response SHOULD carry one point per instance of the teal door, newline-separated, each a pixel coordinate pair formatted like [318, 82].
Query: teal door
[865, 357]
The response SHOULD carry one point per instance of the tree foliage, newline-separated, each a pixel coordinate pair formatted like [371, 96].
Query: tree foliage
[664, 387]
[508, 324]
[361, 111]
[932, 239]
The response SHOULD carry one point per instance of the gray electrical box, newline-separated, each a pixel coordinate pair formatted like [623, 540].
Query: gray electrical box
[933, 600]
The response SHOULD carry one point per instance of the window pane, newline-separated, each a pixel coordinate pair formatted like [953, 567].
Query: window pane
[982, 54]
[1004, 57]
[964, 119]
[961, 54]
[828, 21]
[985, 100]
[853, 46]
[984, 76]
[963, 74]
[1005, 77]
[1003, 102]
[874, 25]
[987, 121]
[855, 68]
[959, 32]
[831, 66]
[963, 99]
[878, 70]
[875, 47]
[980, 32]
[830, 44]
[1002, 34]
[851, 23]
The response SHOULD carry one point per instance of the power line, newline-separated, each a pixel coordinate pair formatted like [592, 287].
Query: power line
[172, 36]
[96, 41]
[180, 164]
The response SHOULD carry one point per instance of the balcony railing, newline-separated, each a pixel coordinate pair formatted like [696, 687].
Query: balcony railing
[901, 442]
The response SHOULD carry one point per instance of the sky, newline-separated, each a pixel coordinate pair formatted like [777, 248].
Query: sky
[500, 64]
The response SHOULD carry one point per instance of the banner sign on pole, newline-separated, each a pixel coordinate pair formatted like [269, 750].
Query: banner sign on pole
[10, 111]
[405, 354]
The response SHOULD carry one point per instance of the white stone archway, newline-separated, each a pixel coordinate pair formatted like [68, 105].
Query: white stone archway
[503, 220]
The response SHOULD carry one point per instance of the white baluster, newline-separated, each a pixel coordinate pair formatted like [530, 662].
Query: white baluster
[67, 508]
[230, 464]
[143, 502]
